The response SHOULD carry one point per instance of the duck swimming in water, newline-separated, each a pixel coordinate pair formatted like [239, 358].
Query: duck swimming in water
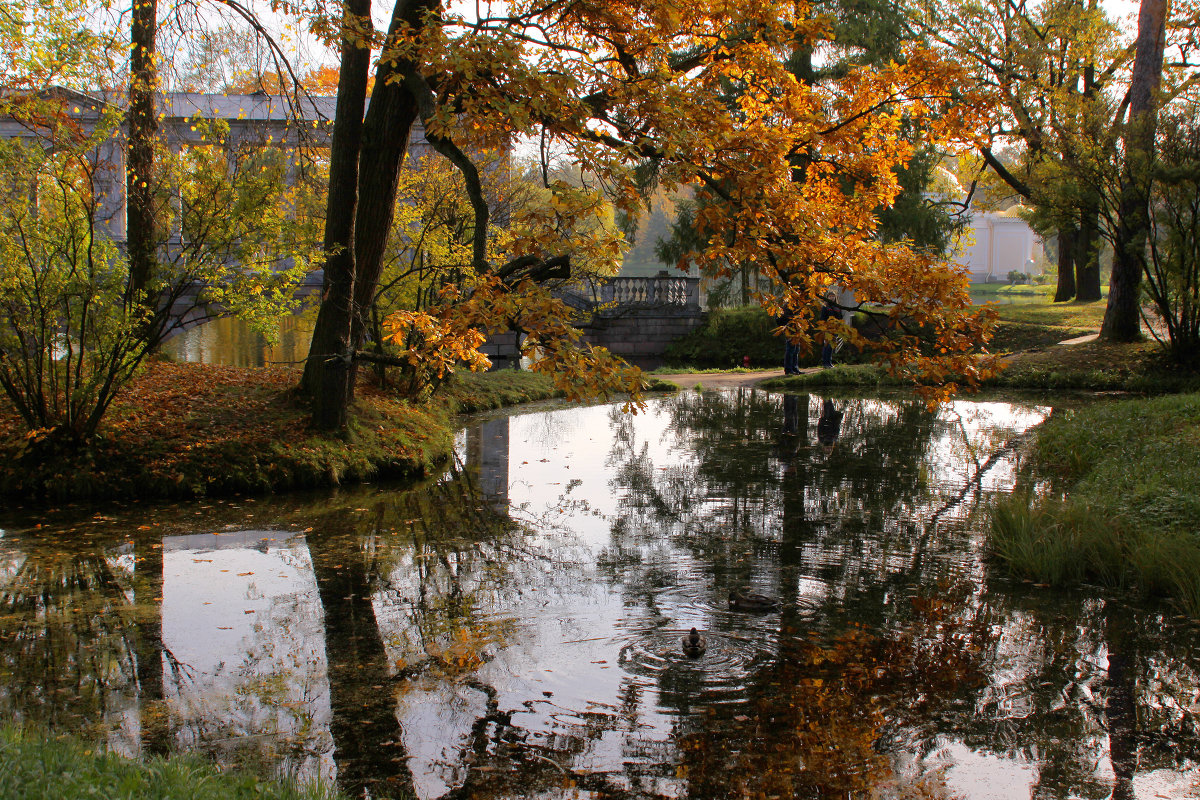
[751, 601]
[694, 644]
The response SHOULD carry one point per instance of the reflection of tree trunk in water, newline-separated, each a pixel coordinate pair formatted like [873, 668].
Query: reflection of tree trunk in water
[794, 526]
[147, 605]
[367, 738]
[1119, 706]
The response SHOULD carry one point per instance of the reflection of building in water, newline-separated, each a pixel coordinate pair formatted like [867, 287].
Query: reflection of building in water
[487, 451]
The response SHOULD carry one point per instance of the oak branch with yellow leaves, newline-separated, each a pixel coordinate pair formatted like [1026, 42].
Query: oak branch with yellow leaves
[700, 94]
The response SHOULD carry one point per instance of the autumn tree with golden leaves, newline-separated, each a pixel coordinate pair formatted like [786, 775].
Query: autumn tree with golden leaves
[616, 84]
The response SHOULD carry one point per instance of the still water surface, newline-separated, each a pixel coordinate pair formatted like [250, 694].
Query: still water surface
[514, 628]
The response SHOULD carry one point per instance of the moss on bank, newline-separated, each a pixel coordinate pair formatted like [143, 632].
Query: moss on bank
[191, 430]
[35, 768]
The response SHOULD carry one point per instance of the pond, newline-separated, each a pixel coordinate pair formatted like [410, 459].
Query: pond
[515, 628]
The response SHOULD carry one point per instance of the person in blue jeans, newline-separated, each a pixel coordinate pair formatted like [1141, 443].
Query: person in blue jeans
[791, 352]
[829, 310]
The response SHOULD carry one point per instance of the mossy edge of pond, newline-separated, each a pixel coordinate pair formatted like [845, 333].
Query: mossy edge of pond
[1138, 367]
[192, 430]
[37, 766]
[185, 430]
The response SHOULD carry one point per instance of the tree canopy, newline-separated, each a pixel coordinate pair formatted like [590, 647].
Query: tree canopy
[624, 87]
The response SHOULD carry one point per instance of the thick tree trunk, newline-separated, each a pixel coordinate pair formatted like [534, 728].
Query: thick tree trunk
[385, 138]
[1087, 255]
[328, 373]
[140, 217]
[1066, 265]
[364, 204]
[1122, 317]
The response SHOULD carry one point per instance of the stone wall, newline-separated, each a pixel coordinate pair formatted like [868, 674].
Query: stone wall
[635, 318]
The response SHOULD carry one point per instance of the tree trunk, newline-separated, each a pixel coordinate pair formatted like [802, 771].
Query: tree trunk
[140, 224]
[328, 373]
[1087, 255]
[364, 202]
[1122, 317]
[385, 137]
[1066, 264]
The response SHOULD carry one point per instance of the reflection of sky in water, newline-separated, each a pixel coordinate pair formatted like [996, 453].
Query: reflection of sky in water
[631, 531]
[240, 610]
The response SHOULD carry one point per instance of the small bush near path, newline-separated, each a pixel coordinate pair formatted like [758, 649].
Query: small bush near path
[33, 768]
[1123, 504]
[191, 430]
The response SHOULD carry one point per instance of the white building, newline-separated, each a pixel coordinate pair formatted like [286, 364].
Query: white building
[996, 245]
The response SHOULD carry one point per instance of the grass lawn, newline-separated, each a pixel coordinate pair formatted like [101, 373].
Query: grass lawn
[37, 768]
[1025, 327]
[1065, 315]
[1029, 336]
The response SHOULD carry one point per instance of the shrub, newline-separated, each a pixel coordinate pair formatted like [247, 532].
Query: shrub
[727, 336]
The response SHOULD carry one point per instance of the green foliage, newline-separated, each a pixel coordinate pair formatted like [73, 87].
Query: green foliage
[727, 336]
[72, 334]
[36, 768]
[1128, 470]
[67, 337]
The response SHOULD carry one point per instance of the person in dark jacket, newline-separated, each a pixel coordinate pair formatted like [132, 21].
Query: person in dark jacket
[791, 352]
[829, 310]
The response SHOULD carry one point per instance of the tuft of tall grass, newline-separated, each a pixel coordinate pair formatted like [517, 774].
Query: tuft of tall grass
[1065, 543]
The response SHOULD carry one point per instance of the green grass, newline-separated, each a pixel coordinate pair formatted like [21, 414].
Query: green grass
[34, 768]
[1128, 471]
[1086, 316]
[992, 290]
[838, 375]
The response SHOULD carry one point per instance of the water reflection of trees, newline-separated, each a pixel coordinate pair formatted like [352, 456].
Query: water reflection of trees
[82, 636]
[861, 685]
[868, 524]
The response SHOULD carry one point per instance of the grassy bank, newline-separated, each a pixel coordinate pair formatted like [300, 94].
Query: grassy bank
[191, 430]
[34, 768]
[1123, 501]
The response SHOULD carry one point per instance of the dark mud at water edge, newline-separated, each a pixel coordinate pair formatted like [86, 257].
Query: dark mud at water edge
[514, 628]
